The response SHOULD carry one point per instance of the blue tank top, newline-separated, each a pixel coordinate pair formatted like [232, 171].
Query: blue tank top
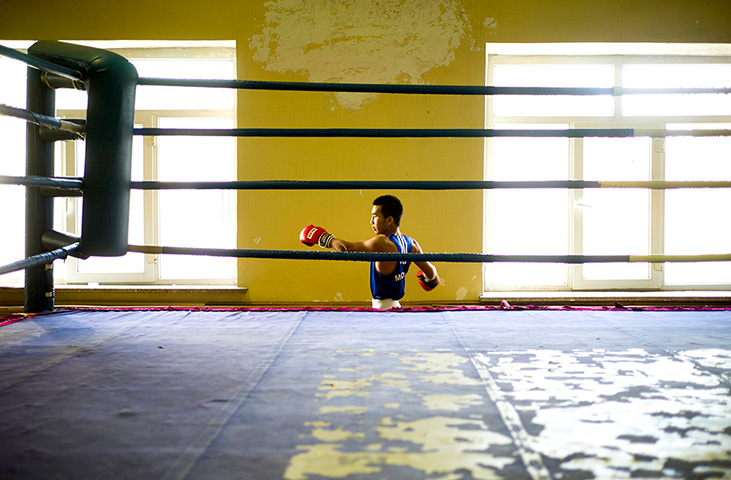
[392, 285]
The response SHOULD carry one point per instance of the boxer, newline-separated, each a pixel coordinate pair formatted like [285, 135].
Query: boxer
[387, 278]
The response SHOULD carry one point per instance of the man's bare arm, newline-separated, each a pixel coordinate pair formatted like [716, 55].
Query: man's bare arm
[379, 243]
[430, 271]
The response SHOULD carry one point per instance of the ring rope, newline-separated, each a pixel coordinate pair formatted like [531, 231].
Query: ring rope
[41, 64]
[418, 89]
[421, 185]
[71, 74]
[419, 257]
[40, 259]
[73, 184]
[426, 133]
[42, 120]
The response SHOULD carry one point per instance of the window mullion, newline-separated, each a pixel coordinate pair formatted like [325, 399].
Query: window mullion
[576, 246]
[657, 212]
[617, 84]
[152, 236]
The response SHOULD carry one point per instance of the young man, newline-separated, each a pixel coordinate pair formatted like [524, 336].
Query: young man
[387, 278]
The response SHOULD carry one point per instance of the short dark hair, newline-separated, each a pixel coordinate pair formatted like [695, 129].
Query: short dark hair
[390, 207]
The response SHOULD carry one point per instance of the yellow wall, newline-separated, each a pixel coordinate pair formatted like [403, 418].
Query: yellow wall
[388, 41]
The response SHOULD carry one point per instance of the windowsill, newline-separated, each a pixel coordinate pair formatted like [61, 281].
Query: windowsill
[609, 298]
[230, 296]
[137, 295]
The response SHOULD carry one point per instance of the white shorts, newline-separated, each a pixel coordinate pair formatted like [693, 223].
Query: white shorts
[385, 303]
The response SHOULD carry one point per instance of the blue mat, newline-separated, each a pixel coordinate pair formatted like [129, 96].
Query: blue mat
[368, 395]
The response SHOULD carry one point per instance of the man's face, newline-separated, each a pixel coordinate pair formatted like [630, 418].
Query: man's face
[379, 224]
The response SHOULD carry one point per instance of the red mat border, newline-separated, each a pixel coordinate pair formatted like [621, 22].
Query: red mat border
[504, 305]
[12, 318]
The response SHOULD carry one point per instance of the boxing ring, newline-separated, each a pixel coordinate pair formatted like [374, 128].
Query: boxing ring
[308, 393]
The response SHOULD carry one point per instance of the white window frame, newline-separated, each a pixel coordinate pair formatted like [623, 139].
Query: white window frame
[656, 212]
[614, 54]
[65, 151]
[68, 215]
[156, 50]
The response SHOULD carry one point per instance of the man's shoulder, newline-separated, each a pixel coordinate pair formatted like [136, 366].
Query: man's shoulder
[384, 243]
[415, 247]
[411, 242]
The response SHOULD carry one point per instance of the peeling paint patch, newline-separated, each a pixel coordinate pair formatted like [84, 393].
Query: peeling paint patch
[335, 435]
[347, 409]
[360, 386]
[438, 433]
[623, 414]
[451, 438]
[490, 23]
[452, 403]
[368, 41]
[363, 352]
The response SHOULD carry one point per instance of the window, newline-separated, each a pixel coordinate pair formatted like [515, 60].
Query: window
[176, 218]
[12, 138]
[608, 221]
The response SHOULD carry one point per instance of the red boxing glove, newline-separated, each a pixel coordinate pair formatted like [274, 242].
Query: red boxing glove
[311, 235]
[427, 284]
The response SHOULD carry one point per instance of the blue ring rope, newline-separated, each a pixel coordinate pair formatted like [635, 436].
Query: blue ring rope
[383, 132]
[418, 257]
[44, 182]
[32, 117]
[371, 257]
[418, 184]
[363, 185]
[425, 133]
[40, 259]
[40, 64]
[417, 89]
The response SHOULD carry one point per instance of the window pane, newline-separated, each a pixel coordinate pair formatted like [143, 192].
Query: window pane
[13, 83]
[528, 221]
[184, 98]
[553, 76]
[169, 98]
[696, 220]
[132, 262]
[199, 218]
[12, 139]
[70, 99]
[676, 76]
[616, 222]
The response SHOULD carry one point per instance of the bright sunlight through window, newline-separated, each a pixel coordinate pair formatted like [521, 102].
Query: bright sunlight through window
[608, 221]
[179, 218]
